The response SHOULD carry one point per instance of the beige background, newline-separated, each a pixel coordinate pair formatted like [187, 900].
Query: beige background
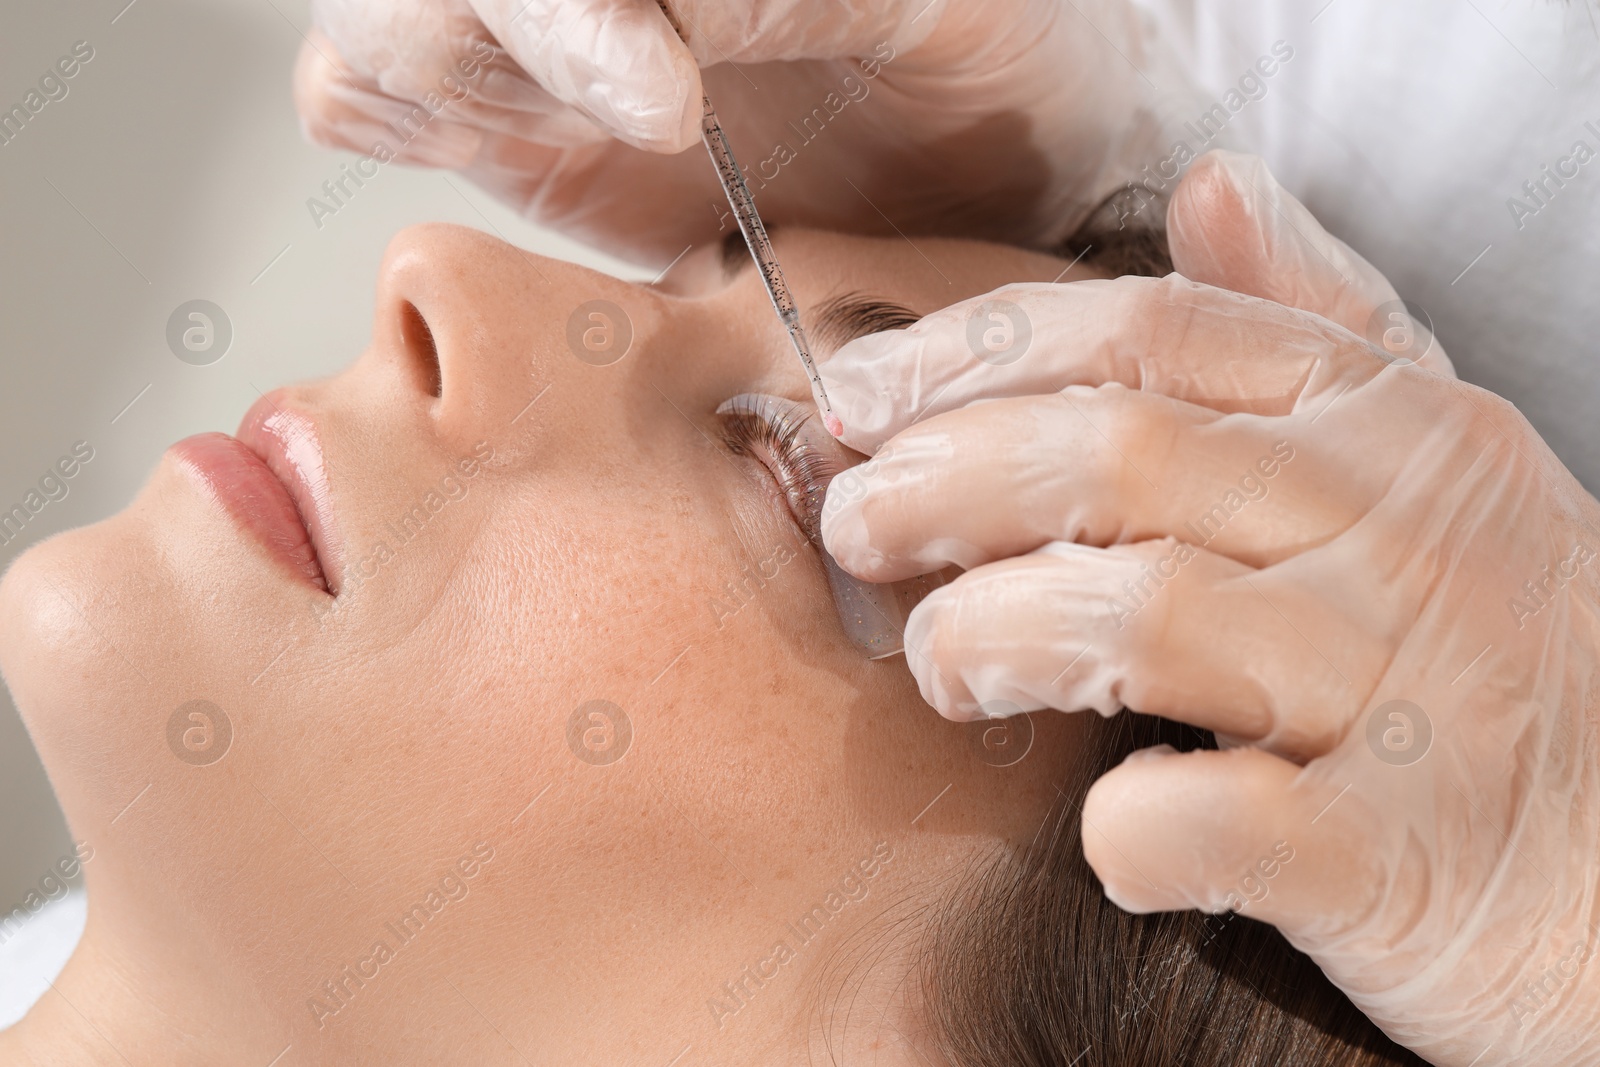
[181, 175]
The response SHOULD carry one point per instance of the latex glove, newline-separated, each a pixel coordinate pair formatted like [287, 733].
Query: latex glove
[1010, 119]
[1374, 578]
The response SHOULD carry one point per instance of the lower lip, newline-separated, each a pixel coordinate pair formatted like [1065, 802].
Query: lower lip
[236, 478]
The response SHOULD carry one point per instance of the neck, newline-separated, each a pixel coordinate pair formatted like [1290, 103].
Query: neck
[136, 1001]
[160, 1002]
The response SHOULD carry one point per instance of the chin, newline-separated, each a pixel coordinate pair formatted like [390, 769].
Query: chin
[53, 599]
[59, 607]
[106, 628]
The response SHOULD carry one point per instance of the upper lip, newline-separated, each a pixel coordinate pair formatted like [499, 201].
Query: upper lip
[286, 441]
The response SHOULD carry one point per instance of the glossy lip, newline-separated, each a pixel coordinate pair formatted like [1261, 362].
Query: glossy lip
[286, 440]
[273, 481]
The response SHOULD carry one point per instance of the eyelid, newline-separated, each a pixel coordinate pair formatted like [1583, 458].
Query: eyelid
[873, 616]
[778, 425]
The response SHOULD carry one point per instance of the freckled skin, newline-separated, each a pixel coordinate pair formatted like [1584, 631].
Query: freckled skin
[375, 745]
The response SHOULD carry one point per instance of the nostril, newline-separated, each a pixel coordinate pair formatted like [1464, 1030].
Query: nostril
[419, 343]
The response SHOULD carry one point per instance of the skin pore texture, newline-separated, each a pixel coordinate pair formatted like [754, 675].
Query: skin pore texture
[408, 741]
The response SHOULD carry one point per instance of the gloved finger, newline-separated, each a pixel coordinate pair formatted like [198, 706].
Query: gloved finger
[1194, 342]
[544, 121]
[1230, 224]
[411, 53]
[787, 30]
[620, 62]
[1093, 465]
[1162, 627]
[340, 109]
[518, 173]
[326, 118]
[1237, 830]
[343, 106]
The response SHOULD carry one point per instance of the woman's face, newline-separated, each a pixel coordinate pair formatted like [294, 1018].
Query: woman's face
[582, 694]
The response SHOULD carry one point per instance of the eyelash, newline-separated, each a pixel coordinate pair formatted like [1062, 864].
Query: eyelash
[769, 430]
[773, 440]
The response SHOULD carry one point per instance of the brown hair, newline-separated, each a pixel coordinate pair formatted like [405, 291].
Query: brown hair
[1027, 964]
[1118, 240]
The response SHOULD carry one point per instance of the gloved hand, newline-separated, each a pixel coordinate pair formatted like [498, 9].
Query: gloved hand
[1002, 118]
[1232, 509]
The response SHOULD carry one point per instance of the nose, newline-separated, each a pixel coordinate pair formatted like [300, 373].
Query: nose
[479, 333]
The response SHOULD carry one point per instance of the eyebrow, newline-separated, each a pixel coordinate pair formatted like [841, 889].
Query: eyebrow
[735, 253]
[841, 319]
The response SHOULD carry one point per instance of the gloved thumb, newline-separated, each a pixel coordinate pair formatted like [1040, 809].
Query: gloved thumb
[1235, 830]
[620, 62]
[1231, 225]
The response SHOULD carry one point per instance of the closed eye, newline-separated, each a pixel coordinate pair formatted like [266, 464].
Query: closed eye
[842, 319]
[773, 430]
